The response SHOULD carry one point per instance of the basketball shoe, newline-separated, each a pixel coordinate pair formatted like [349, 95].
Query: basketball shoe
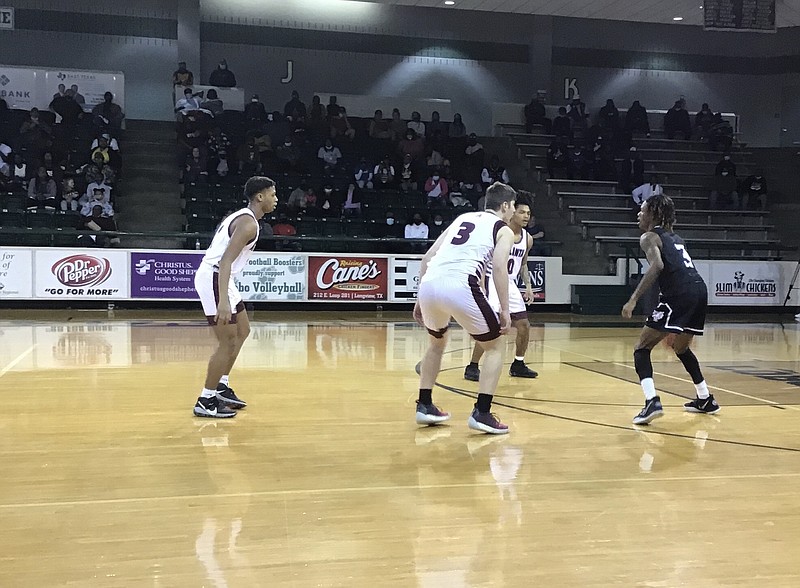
[212, 408]
[704, 405]
[430, 414]
[486, 422]
[652, 410]
[518, 369]
[228, 396]
[472, 373]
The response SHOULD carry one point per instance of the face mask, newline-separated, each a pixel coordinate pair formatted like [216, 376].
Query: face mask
[724, 173]
[435, 178]
[288, 143]
[254, 100]
[389, 221]
[438, 223]
[727, 158]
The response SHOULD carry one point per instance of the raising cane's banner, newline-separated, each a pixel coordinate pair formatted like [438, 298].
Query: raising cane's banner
[351, 278]
[65, 274]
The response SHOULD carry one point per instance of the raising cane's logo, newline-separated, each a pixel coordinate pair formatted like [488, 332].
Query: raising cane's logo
[82, 270]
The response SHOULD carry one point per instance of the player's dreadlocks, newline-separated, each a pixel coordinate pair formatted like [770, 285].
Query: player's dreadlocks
[662, 209]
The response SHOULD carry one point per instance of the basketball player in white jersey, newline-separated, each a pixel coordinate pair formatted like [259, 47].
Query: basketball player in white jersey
[234, 241]
[452, 275]
[517, 264]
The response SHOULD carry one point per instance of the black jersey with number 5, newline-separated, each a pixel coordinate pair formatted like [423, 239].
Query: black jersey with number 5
[679, 273]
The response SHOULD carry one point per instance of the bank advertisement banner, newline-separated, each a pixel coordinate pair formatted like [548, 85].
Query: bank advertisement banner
[15, 273]
[273, 276]
[18, 87]
[164, 275]
[348, 278]
[81, 274]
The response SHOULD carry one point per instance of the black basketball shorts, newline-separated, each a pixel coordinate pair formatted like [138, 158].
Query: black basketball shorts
[684, 313]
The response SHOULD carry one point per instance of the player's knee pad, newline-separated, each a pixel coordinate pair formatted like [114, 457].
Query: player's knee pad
[689, 361]
[641, 360]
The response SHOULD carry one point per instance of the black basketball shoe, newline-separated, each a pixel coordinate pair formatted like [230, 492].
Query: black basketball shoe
[704, 405]
[228, 396]
[212, 408]
[652, 410]
[472, 373]
[520, 370]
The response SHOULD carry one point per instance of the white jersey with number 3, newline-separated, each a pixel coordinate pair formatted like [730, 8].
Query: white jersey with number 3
[466, 249]
[222, 238]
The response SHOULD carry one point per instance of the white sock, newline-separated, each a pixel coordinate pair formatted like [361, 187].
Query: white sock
[649, 387]
[702, 390]
[206, 393]
[224, 380]
[519, 358]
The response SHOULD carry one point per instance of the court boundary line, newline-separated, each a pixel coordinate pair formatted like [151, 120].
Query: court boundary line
[13, 363]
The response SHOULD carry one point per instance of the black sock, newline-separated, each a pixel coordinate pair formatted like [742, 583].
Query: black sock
[689, 361]
[425, 396]
[484, 403]
[641, 360]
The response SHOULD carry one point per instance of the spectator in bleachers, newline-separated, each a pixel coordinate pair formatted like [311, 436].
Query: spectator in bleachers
[457, 129]
[397, 126]
[437, 227]
[108, 114]
[69, 196]
[636, 120]
[436, 126]
[581, 163]
[222, 77]
[18, 174]
[42, 191]
[754, 189]
[106, 141]
[416, 228]
[255, 114]
[535, 114]
[494, 172]
[677, 121]
[295, 110]
[363, 174]
[60, 94]
[182, 76]
[77, 96]
[724, 186]
[379, 127]
[474, 159]
[578, 118]
[195, 170]
[703, 121]
[435, 158]
[70, 111]
[609, 116]
[383, 173]
[536, 231]
[340, 125]
[332, 109]
[34, 132]
[6, 159]
[249, 158]
[562, 126]
[720, 133]
[412, 144]
[436, 189]
[330, 156]
[220, 167]
[212, 103]
[97, 216]
[317, 117]
[288, 156]
[631, 171]
[390, 228]
[97, 183]
[408, 174]
[645, 191]
[217, 142]
[188, 103]
[55, 169]
[103, 149]
[558, 162]
[296, 201]
[276, 127]
[725, 164]
[416, 124]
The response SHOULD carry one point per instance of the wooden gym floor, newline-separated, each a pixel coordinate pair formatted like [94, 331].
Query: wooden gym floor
[325, 480]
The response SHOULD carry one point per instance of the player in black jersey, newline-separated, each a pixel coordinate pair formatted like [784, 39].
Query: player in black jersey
[681, 307]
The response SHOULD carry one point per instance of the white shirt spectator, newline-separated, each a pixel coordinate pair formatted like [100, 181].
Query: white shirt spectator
[416, 231]
[89, 195]
[645, 191]
[187, 104]
[86, 209]
[329, 156]
[5, 167]
[417, 126]
[112, 144]
[486, 176]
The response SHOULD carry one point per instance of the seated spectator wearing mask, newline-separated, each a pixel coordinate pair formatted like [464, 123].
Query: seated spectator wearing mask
[702, 122]
[755, 190]
[437, 189]
[723, 187]
[222, 77]
[437, 227]
[676, 121]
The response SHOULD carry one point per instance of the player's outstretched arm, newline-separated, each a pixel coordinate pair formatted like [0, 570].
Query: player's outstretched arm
[651, 245]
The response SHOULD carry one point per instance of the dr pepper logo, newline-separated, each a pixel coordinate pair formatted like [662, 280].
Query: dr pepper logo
[82, 270]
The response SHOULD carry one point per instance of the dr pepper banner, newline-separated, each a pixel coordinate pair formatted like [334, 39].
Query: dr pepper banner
[352, 278]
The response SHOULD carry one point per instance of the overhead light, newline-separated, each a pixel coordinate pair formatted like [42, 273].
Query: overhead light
[677, 18]
[449, 2]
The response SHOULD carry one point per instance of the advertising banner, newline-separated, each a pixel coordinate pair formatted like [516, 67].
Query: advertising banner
[18, 87]
[86, 275]
[536, 267]
[164, 275]
[15, 273]
[273, 276]
[90, 84]
[733, 283]
[347, 278]
[405, 278]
